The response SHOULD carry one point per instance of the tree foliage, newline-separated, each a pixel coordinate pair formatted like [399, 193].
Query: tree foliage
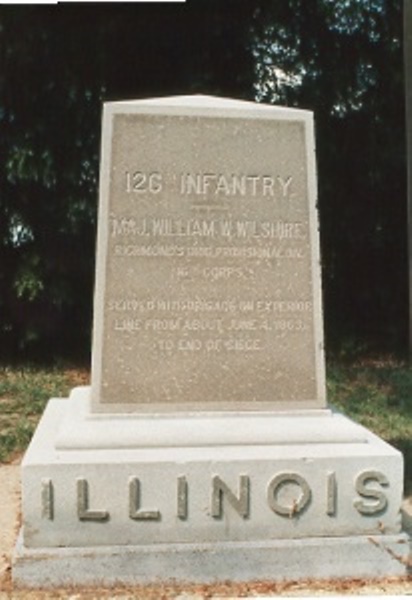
[340, 58]
[343, 59]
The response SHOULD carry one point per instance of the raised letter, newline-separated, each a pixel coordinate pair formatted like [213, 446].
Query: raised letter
[240, 503]
[331, 494]
[299, 504]
[47, 499]
[365, 508]
[182, 492]
[134, 504]
[83, 512]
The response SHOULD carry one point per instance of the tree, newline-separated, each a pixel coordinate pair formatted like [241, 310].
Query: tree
[340, 58]
[57, 66]
[343, 59]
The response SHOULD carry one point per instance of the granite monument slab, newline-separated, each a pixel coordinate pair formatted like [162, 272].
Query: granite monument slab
[208, 284]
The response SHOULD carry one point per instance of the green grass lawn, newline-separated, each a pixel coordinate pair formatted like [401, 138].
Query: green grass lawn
[24, 393]
[377, 394]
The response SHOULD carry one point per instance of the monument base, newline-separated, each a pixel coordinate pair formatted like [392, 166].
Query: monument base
[277, 560]
[308, 495]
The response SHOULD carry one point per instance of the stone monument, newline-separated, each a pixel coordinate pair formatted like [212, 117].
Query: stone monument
[204, 449]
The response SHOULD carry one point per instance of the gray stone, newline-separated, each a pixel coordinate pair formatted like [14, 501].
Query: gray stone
[210, 493]
[208, 285]
[362, 557]
[204, 450]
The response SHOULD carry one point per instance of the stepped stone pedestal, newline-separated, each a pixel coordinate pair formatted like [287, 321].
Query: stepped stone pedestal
[204, 449]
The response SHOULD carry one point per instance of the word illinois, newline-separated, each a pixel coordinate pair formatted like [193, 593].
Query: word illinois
[368, 485]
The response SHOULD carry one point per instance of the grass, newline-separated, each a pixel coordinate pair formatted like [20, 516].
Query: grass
[377, 394]
[24, 393]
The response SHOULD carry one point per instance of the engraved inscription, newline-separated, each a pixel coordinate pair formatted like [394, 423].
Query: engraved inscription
[182, 497]
[135, 512]
[209, 273]
[369, 485]
[298, 501]
[84, 513]
[215, 184]
[223, 326]
[219, 184]
[121, 226]
[240, 502]
[142, 183]
[332, 492]
[47, 499]
[288, 494]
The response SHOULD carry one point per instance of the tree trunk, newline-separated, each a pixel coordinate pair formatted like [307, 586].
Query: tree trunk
[407, 20]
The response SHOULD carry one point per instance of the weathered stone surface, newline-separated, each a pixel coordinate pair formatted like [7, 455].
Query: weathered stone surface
[279, 512]
[208, 286]
[358, 557]
[207, 493]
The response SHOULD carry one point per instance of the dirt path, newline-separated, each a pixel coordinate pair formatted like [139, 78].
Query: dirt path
[9, 524]
[9, 514]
